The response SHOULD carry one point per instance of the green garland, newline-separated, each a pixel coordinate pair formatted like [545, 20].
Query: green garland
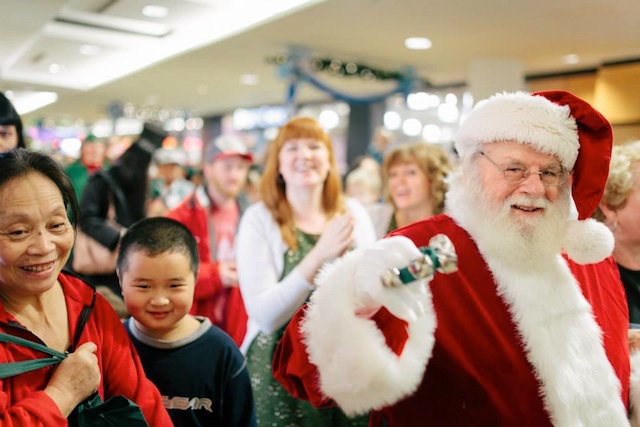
[338, 67]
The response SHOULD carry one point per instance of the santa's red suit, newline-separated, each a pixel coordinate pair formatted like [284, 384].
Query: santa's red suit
[497, 347]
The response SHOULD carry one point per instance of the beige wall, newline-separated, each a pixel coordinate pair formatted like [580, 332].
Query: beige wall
[614, 90]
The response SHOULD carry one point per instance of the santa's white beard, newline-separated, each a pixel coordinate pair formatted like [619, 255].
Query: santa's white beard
[499, 232]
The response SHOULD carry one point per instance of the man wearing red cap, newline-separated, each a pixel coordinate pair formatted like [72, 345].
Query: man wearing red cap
[531, 330]
[212, 214]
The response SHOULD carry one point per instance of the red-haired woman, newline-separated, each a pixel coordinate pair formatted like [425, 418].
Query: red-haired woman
[302, 221]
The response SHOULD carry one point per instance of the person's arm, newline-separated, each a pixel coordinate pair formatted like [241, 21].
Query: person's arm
[358, 343]
[94, 211]
[48, 398]
[35, 410]
[269, 301]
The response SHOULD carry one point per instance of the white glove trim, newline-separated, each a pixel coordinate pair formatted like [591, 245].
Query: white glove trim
[356, 367]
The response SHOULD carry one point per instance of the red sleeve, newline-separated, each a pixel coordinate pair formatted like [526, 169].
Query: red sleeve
[36, 410]
[291, 365]
[208, 282]
[292, 368]
[194, 218]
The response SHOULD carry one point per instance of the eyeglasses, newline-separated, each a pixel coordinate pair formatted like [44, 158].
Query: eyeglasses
[515, 172]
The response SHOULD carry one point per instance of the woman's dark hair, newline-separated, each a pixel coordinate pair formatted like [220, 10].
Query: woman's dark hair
[20, 162]
[9, 116]
[157, 235]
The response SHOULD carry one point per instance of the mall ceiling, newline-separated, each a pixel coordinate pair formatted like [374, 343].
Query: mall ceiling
[193, 59]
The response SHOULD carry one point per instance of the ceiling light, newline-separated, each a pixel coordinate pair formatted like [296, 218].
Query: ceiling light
[134, 44]
[155, 11]
[417, 43]
[27, 101]
[571, 59]
[249, 79]
[54, 68]
[89, 49]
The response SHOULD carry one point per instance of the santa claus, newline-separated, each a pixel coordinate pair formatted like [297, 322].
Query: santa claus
[531, 330]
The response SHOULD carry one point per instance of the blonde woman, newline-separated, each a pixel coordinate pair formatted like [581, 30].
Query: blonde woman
[302, 221]
[620, 211]
[414, 186]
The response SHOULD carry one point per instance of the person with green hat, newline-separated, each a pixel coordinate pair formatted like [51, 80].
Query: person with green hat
[92, 159]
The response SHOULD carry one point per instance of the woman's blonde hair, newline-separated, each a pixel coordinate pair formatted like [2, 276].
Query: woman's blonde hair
[432, 160]
[272, 185]
[625, 161]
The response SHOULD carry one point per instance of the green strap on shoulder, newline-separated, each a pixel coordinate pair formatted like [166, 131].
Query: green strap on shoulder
[10, 369]
[15, 368]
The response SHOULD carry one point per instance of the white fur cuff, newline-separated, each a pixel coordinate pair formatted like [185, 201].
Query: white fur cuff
[356, 367]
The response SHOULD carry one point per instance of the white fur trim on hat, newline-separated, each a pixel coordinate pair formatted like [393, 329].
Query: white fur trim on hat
[588, 241]
[521, 117]
[356, 367]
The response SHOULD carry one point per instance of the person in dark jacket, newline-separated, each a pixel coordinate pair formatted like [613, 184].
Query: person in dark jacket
[114, 199]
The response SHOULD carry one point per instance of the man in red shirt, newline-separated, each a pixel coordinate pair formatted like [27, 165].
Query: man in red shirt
[212, 213]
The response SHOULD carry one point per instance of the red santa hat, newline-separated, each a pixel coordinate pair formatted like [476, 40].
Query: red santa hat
[558, 123]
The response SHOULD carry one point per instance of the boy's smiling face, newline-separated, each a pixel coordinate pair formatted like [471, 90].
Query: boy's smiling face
[158, 293]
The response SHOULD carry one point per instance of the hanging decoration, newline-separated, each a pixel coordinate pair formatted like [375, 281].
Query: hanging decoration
[297, 66]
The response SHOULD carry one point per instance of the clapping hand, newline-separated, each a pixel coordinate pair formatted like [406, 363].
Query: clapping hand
[336, 238]
[228, 274]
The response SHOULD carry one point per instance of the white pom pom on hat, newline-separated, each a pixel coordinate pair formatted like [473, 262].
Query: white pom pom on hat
[558, 123]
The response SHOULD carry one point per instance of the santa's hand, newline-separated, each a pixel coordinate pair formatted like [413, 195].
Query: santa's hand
[407, 301]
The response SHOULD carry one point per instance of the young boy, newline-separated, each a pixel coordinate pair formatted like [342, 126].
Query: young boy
[198, 369]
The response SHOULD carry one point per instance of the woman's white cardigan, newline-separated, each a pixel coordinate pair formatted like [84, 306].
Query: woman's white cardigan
[269, 301]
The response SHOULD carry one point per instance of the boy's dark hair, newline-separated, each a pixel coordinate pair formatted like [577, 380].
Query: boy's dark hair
[157, 235]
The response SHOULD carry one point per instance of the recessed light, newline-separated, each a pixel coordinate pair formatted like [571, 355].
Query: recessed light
[249, 79]
[571, 59]
[417, 43]
[89, 49]
[155, 11]
[54, 68]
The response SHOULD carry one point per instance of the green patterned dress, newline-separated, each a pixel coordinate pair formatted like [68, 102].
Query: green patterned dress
[274, 406]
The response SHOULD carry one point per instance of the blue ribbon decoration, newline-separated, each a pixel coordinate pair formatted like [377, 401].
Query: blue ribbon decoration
[294, 69]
